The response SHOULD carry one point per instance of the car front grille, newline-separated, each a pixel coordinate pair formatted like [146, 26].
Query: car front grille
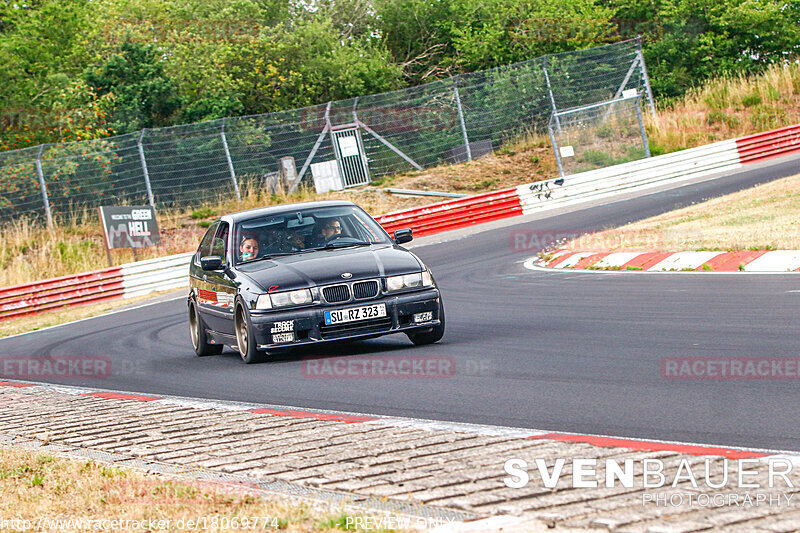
[375, 325]
[336, 293]
[365, 289]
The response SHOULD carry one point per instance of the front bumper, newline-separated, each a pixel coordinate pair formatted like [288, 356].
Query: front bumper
[308, 324]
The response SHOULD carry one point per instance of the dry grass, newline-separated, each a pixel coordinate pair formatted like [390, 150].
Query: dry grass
[37, 486]
[529, 158]
[765, 217]
[728, 107]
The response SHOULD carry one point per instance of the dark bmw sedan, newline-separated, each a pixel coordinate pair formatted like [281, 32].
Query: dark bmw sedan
[277, 277]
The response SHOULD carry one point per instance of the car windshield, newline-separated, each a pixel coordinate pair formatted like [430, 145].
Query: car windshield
[305, 230]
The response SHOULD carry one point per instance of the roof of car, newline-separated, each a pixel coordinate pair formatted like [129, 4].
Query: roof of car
[283, 208]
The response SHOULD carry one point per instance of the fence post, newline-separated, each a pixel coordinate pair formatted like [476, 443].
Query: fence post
[230, 163]
[650, 100]
[44, 188]
[144, 171]
[556, 149]
[550, 92]
[642, 131]
[313, 150]
[461, 118]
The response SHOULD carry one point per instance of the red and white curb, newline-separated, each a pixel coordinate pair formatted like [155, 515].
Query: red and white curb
[758, 261]
[602, 441]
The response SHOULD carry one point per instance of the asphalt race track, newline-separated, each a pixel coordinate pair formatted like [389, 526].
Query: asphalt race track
[563, 351]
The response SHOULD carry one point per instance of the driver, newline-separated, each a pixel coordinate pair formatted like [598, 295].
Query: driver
[327, 230]
[331, 228]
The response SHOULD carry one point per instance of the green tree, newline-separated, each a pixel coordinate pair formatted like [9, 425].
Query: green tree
[144, 96]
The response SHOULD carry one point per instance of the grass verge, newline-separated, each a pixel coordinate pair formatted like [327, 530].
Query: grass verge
[764, 217]
[39, 487]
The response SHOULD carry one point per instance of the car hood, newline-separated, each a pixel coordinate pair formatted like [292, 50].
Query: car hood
[327, 266]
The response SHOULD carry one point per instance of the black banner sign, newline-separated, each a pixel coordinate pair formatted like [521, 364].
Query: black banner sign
[132, 226]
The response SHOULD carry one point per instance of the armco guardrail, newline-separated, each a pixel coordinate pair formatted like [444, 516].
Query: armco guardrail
[89, 287]
[769, 144]
[125, 281]
[142, 277]
[455, 214]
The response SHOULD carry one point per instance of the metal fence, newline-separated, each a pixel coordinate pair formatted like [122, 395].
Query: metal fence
[447, 121]
[599, 135]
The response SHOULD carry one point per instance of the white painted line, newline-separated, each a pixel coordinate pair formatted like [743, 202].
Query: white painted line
[684, 260]
[775, 261]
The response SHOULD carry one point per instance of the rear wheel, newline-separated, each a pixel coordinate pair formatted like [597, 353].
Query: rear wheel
[245, 340]
[429, 337]
[199, 336]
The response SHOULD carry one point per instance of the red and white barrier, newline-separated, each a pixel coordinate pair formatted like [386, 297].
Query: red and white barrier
[745, 261]
[142, 277]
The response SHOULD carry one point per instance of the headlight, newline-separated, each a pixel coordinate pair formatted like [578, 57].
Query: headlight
[263, 302]
[282, 299]
[409, 281]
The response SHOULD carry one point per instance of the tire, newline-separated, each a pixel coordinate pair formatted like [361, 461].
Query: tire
[429, 337]
[245, 340]
[197, 331]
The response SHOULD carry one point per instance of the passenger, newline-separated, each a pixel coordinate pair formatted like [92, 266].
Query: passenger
[249, 248]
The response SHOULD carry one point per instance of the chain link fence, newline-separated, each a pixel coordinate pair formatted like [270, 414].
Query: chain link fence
[447, 121]
[598, 135]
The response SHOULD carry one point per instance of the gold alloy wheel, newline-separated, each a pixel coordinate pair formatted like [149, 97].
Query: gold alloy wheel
[241, 335]
[194, 328]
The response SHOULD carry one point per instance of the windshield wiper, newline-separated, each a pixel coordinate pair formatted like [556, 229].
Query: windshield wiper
[344, 245]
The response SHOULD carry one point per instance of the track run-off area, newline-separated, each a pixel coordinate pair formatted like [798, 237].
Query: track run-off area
[579, 352]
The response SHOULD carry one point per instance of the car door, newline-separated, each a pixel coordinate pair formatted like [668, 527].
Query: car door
[222, 290]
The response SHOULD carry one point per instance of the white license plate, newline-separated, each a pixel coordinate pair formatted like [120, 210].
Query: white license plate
[354, 314]
[282, 337]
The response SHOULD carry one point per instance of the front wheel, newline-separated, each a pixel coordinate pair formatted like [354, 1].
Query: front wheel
[199, 336]
[429, 337]
[245, 340]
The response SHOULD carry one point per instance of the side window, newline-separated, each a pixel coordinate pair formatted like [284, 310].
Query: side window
[220, 246]
[205, 245]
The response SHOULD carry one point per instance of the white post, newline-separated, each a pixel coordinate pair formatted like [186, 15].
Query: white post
[230, 162]
[44, 188]
[461, 117]
[144, 171]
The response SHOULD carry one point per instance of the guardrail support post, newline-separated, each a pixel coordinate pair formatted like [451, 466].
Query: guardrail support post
[313, 150]
[40, 174]
[144, 170]
[230, 163]
[556, 150]
[642, 130]
[550, 92]
[461, 118]
[646, 79]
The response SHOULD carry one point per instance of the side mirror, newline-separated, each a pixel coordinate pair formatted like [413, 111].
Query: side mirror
[211, 262]
[403, 235]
